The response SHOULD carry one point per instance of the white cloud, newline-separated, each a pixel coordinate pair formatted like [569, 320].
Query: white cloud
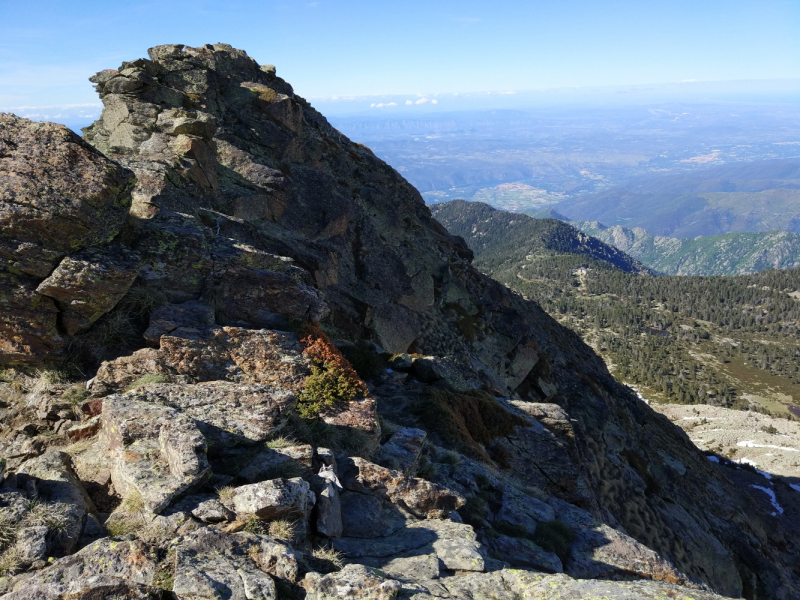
[434, 101]
[409, 102]
[382, 104]
[422, 101]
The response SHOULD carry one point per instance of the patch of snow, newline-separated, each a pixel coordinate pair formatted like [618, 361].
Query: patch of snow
[639, 395]
[773, 500]
[752, 463]
[752, 444]
[713, 458]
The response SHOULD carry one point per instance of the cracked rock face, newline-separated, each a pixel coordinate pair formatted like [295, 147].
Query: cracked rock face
[155, 451]
[58, 196]
[56, 191]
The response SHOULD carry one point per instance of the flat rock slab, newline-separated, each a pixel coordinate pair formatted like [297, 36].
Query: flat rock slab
[88, 284]
[512, 584]
[292, 461]
[155, 451]
[417, 496]
[56, 191]
[355, 582]
[227, 413]
[600, 552]
[213, 565]
[521, 552]
[275, 499]
[455, 544]
[396, 544]
[193, 355]
[419, 551]
[96, 587]
[365, 516]
[107, 562]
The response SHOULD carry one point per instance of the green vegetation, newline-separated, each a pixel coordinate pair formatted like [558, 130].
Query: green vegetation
[147, 379]
[554, 536]
[726, 341]
[256, 525]
[727, 254]
[333, 379]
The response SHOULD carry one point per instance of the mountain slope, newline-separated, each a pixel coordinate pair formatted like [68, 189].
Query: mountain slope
[234, 444]
[761, 196]
[512, 236]
[726, 254]
[727, 341]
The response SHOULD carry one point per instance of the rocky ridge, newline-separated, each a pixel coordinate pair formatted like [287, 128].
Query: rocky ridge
[189, 245]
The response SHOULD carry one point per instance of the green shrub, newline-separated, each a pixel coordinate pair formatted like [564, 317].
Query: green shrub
[425, 469]
[474, 511]
[333, 379]
[226, 492]
[555, 536]
[325, 560]
[116, 330]
[141, 300]
[448, 457]
[286, 469]
[280, 442]
[8, 533]
[256, 525]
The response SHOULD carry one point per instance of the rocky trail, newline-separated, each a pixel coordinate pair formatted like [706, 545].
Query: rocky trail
[242, 361]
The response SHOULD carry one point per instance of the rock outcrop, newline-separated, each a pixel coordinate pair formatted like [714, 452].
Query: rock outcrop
[247, 222]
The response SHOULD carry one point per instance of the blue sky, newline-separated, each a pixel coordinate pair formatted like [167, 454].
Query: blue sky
[417, 49]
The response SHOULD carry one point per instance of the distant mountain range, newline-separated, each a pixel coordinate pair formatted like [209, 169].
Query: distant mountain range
[758, 196]
[513, 237]
[727, 254]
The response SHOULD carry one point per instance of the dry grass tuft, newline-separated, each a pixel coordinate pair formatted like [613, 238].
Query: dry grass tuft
[226, 493]
[280, 442]
[10, 561]
[282, 529]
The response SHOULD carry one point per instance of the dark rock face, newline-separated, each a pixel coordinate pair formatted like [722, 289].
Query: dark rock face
[250, 211]
[57, 192]
[58, 196]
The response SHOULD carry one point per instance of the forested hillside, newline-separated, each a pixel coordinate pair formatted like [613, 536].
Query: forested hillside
[492, 232]
[728, 341]
[726, 254]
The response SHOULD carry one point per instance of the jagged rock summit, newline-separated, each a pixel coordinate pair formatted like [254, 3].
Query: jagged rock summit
[217, 444]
